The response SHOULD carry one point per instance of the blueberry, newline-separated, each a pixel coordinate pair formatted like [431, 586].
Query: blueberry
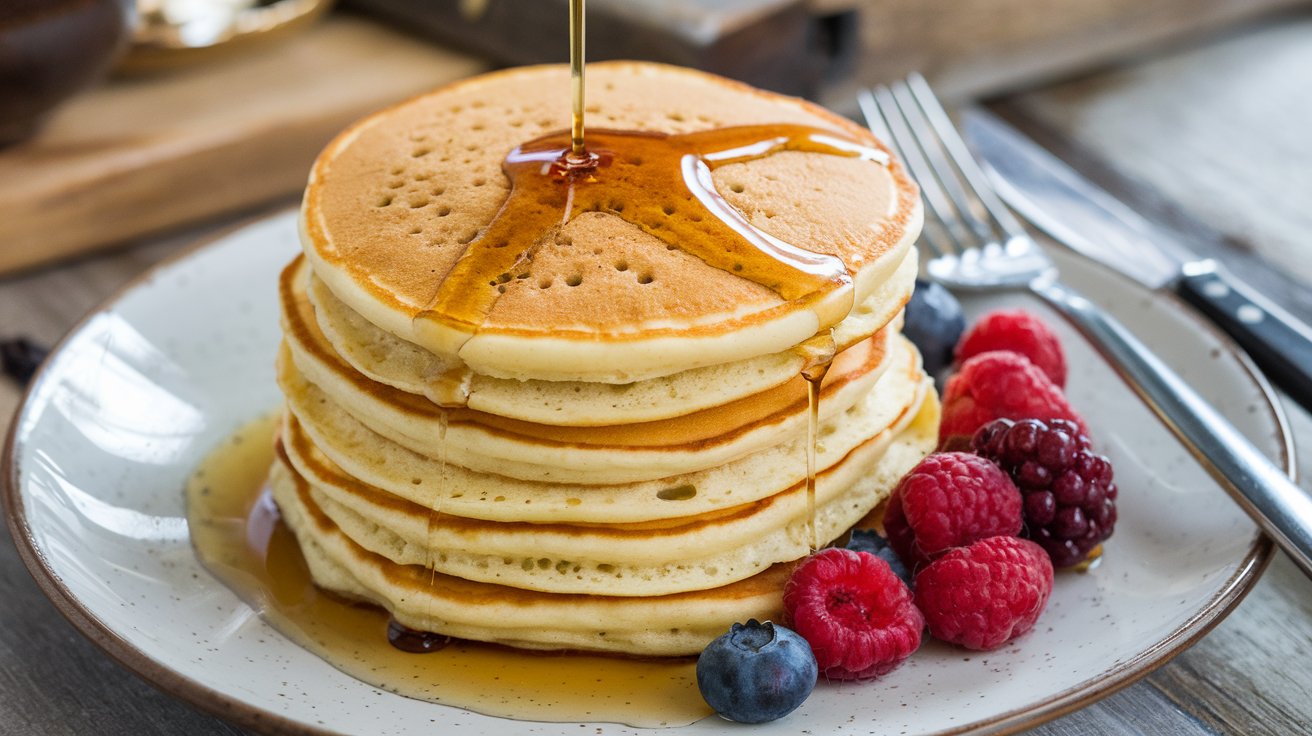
[757, 672]
[868, 540]
[934, 322]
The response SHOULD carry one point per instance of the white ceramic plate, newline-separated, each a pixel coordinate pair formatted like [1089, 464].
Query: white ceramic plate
[140, 391]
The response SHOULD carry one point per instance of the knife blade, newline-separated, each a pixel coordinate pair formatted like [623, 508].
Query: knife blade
[1078, 214]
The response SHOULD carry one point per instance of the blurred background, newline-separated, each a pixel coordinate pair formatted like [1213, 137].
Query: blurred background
[124, 118]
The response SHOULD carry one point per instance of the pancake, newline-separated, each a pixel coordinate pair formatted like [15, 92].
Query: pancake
[377, 461]
[394, 208]
[563, 408]
[387, 359]
[595, 454]
[638, 558]
[665, 625]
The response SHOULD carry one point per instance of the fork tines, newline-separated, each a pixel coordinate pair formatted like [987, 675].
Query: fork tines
[964, 213]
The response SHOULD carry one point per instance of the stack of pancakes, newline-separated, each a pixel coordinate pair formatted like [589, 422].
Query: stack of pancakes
[612, 456]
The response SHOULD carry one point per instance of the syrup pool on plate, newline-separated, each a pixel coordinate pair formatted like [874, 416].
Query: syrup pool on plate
[241, 539]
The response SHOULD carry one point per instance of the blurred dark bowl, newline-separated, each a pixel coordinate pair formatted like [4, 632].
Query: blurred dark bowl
[50, 49]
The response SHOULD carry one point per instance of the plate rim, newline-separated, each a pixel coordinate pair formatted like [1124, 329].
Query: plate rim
[202, 696]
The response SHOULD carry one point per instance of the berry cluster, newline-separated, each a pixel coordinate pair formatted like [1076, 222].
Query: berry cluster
[954, 518]
[949, 500]
[972, 536]
[1005, 403]
[1070, 499]
[1010, 366]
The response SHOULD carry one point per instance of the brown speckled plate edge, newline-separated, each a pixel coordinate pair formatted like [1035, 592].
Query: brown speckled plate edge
[163, 678]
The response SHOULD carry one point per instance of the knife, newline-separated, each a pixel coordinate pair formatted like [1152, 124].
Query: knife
[1083, 217]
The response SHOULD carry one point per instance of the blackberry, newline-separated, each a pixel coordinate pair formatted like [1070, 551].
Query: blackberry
[1069, 497]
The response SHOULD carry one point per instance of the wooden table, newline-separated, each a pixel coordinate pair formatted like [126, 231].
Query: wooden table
[1177, 136]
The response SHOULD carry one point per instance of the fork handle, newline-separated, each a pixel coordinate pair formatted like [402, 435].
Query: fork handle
[1264, 491]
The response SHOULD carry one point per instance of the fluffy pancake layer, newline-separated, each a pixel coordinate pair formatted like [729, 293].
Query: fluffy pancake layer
[387, 359]
[337, 437]
[657, 554]
[669, 624]
[610, 454]
[396, 200]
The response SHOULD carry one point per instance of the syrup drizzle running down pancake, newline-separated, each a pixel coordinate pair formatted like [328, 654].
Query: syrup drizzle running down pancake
[398, 199]
[661, 183]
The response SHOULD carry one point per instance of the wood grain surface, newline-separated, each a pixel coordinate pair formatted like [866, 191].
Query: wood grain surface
[1213, 139]
[972, 47]
[242, 131]
[143, 154]
[1248, 676]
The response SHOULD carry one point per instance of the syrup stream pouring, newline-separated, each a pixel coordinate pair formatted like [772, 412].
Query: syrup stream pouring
[577, 153]
[995, 253]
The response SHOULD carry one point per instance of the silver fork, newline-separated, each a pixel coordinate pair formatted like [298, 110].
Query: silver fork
[978, 245]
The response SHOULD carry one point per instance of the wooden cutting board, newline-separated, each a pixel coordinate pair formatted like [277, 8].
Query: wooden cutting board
[139, 155]
[790, 46]
[143, 154]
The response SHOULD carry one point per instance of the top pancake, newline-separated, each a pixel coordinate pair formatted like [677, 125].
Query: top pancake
[396, 201]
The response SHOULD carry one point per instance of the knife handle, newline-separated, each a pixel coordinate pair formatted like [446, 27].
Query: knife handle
[1263, 490]
[1278, 342]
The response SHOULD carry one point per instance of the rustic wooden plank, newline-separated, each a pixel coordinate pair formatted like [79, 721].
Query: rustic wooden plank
[142, 154]
[1137, 710]
[1249, 676]
[973, 47]
[1234, 115]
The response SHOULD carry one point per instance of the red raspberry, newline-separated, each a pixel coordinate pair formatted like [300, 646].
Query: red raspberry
[987, 594]
[999, 384]
[1070, 499]
[1020, 332]
[950, 499]
[854, 611]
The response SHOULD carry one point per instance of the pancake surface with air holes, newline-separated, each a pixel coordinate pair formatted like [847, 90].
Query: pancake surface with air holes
[395, 201]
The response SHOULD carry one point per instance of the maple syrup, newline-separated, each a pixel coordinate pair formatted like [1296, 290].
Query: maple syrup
[413, 640]
[434, 506]
[578, 154]
[817, 354]
[240, 538]
[661, 183]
